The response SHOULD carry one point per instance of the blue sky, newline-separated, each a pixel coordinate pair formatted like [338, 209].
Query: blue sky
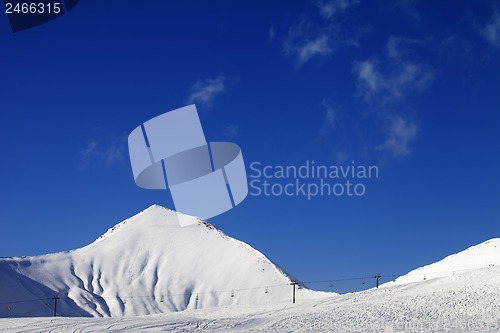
[409, 86]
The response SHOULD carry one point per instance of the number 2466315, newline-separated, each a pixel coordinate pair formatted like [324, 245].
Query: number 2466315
[33, 8]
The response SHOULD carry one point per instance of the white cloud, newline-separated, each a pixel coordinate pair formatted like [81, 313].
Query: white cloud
[407, 9]
[110, 153]
[398, 47]
[204, 91]
[393, 47]
[304, 50]
[341, 158]
[272, 33]
[311, 48]
[368, 76]
[386, 82]
[329, 119]
[115, 152]
[88, 153]
[400, 134]
[327, 9]
[452, 45]
[492, 30]
[410, 76]
[395, 80]
[232, 131]
[308, 38]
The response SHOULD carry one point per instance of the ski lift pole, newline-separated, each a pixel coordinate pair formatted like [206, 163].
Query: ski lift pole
[377, 277]
[55, 298]
[293, 297]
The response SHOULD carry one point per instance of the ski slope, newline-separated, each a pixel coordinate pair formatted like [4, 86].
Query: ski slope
[148, 274]
[482, 256]
[144, 265]
[464, 302]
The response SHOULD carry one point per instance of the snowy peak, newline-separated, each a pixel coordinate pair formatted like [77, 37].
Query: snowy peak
[146, 217]
[482, 256]
[158, 216]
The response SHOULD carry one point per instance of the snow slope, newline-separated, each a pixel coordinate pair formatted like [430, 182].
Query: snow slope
[468, 301]
[147, 264]
[481, 256]
[460, 293]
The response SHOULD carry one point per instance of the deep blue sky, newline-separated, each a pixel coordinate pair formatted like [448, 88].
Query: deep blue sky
[409, 86]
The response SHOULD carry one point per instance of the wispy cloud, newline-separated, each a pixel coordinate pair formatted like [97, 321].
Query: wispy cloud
[304, 50]
[393, 81]
[453, 45]
[368, 76]
[327, 9]
[232, 132]
[271, 33]
[87, 154]
[304, 42]
[109, 152]
[400, 134]
[204, 91]
[408, 11]
[329, 119]
[492, 30]
[385, 82]
[308, 38]
[399, 47]
[115, 152]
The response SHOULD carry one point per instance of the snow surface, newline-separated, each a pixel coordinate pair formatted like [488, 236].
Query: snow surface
[464, 302]
[482, 256]
[149, 255]
[144, 265]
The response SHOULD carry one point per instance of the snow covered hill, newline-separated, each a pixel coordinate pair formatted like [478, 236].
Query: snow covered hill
[144, 265]
[467, 301]
[482, 256]
[148, 264]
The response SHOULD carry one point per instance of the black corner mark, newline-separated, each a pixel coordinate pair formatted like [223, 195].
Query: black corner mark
[26, 14]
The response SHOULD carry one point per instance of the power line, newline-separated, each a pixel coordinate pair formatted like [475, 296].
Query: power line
[233, 291]
[27, 300]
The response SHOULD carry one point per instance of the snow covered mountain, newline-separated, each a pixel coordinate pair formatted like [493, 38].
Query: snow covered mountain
[144, 265]
[148, 264]
[479, 257]
[459, 294]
